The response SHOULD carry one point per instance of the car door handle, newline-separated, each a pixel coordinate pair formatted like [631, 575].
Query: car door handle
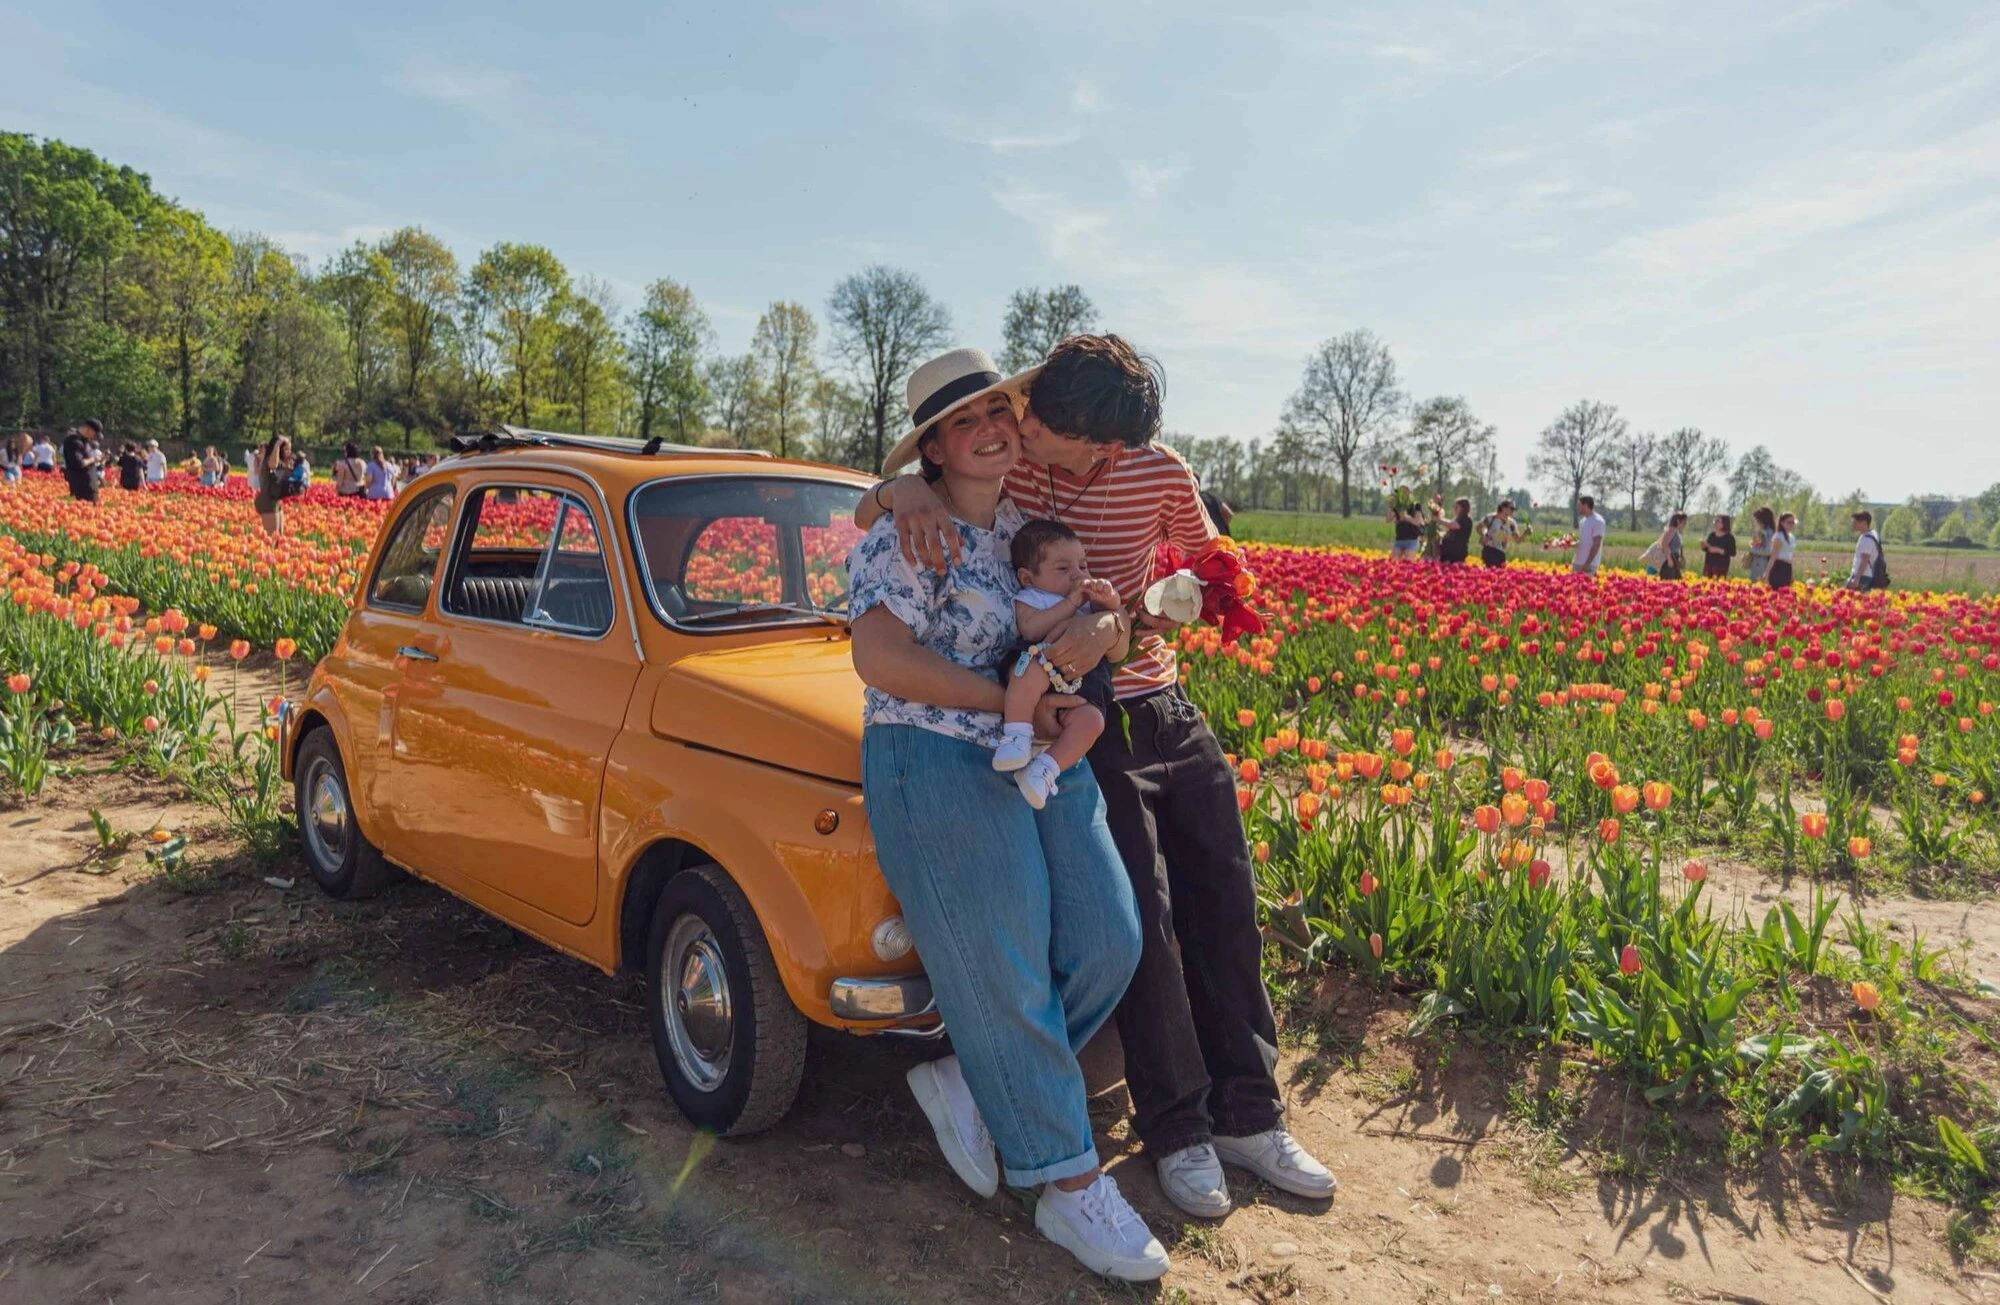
[416, 654]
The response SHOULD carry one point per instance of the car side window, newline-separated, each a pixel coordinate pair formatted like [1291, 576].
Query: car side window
[531, 556]
[409, 561]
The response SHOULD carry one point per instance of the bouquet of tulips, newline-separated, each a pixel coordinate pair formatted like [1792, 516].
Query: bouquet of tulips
[1212, 585]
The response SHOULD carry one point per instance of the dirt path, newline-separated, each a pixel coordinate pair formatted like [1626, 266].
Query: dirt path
[254, 1094]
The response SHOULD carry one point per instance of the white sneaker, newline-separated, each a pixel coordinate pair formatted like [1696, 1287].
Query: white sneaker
[1016, 748]
[1105, 1234]
[1192, 1179]
[940, 1089]
[1278, 1159]
[1037, 781]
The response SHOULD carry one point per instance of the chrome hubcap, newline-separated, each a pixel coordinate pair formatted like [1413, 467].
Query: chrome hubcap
[694, 987]
[326, 822]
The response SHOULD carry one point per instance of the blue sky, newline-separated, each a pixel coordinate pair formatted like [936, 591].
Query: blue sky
[1776, 221]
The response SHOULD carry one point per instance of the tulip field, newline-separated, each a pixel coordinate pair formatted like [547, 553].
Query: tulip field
[1499, 792]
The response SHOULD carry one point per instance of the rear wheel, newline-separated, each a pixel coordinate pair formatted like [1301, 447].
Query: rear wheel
[342, 862]
[730, 1043]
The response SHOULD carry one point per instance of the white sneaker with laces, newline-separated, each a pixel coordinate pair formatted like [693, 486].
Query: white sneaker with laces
[1037, 780]
[1192, 1179]
[1017, 748]
[1278, 1159]
[940, 1089]
[1101, 1230]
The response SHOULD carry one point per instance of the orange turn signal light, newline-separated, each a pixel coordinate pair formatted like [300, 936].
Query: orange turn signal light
[827, 821]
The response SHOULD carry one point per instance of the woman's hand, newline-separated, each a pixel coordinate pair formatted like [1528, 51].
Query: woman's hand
[1081, 642]
[929, 536]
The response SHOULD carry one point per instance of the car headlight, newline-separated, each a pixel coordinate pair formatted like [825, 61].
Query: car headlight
[891, 939]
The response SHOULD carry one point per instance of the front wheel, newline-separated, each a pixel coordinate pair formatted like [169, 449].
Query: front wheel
[342, 862]
[730, 1043]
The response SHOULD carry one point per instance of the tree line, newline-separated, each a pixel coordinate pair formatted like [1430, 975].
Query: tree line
[119, 303]
[116, 302]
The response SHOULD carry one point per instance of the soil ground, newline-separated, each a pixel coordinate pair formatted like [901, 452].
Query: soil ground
[248, 1093]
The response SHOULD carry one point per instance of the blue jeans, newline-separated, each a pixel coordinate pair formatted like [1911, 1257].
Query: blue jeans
[1025, 923]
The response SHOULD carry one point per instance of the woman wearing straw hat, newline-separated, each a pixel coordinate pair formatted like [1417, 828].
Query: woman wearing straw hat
[1024, 917]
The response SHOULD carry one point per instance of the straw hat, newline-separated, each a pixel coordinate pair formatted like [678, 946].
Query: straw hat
[942, 386]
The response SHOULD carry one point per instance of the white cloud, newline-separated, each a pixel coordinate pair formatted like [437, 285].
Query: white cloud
[1147, 181]
[428, 77]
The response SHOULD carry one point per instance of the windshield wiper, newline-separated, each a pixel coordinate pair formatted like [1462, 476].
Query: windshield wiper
[755, 609]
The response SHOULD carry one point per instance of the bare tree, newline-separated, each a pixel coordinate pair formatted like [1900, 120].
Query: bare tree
[1444, 434]
[1038, 320]
[1631, 466]
[738, 392]
[884, 323]
[1572, 449]
[1687, 461]
[786, 339]
[1345, 401]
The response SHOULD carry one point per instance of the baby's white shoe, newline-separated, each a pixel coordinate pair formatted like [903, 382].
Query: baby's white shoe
[1037, 780]
[1016, 746]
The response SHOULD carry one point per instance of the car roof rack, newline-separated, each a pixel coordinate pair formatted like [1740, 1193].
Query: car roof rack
[517, 437]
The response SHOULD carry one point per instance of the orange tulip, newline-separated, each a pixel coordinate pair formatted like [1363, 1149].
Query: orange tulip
[1607, 829]
[1486, 819]
[19, 683]
[285, 648]
[1511, 779]
[1624, 799]
[1859, 846]
[1514, 810]
[1246, 718]
[1866, 995]
[1628, 961]
[1812, 824]
[1368, 884]
[1402, 742]
[1658, 794]
[1694, 872]
[1536, 791]
[1375, 945]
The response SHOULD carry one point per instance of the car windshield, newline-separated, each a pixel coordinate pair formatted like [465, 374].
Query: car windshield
[727, 551]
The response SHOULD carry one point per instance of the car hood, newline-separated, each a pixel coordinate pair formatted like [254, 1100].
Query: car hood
[795, 704]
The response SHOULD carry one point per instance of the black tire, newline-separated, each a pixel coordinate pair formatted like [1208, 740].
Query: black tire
[342, 862]
[735, 1072]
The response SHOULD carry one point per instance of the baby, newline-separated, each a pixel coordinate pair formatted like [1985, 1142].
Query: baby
[1055, 585]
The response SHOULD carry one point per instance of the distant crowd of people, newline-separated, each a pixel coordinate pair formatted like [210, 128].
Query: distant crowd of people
[276, 471]
[1769, 558]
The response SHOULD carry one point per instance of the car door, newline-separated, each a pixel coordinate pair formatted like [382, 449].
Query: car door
[504, 721]
[366, 671]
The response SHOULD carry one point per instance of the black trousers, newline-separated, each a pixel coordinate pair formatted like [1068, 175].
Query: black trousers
[1201, 1046]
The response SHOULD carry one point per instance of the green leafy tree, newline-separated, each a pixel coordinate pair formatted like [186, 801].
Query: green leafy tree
[520, 288]
[736, 386]
[663, 349]
[1445, 436]
[109, 374]
[1038, 320]
[180, 292]
[423, 297]
[1906, 525]
[358, 285]
[66, 217]
[1954, 529]
[786, 340]
[588, 355]
[839, 422]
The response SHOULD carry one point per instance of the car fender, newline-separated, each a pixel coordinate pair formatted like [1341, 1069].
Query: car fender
[320, 705]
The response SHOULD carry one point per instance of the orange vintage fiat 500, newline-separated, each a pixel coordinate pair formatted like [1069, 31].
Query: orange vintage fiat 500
[603, 691]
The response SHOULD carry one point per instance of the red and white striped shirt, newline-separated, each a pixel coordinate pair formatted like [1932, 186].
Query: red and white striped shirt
[1136, 500]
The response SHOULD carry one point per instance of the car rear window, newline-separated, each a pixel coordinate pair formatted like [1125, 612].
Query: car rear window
[723, 552]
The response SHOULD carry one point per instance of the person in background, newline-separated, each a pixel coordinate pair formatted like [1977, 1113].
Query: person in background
[1758, 555]
[380, 476]
[1218, 511]
[1867, 571]
[1497, 534]
[1589, 537]
[1673, 548]
[301, 475]
[156, 463]
[350, 473]
[10, 460]
[274, 463]
[1409, 528]
[1456, 539]
[250, 469]
[214, 467]
[1783, 543]
[131, 467]
[1718, 548]
[43, 454]
[79, 460]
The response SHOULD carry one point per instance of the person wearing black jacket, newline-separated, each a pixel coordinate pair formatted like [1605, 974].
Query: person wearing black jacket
[79, 460]
[131, 467]
[1457, 537]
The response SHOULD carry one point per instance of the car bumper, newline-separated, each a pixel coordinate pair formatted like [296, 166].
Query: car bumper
[872, 1000]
